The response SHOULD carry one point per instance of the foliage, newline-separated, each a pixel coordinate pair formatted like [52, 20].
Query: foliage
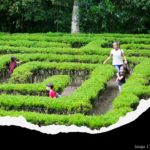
[55, 16]
[44, 55]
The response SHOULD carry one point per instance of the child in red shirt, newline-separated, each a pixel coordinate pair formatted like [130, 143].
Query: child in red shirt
[50, 89]
[12, 65]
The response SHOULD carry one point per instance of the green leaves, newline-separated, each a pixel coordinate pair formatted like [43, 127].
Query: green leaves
[135, 88]
[60, 81]
[44, 55]
[79, 101]
[23, 73]
[125, 100]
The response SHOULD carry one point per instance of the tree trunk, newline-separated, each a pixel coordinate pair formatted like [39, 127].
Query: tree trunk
[75, 17]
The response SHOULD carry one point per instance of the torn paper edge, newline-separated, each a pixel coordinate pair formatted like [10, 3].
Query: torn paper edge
[55, 129]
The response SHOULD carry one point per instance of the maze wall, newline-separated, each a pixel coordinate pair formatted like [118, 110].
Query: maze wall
[69, 60]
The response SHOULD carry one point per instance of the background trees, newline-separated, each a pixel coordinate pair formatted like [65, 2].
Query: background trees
[95, 16]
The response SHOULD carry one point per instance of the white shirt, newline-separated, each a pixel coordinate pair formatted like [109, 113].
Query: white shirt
[117, 56]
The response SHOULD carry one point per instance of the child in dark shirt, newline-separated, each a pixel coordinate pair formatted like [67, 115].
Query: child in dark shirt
[121, 77]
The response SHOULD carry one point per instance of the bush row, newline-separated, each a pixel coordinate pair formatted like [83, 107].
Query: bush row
[136, 46]
[60, 82]
[128, 52]
[125, 40]
[78, 102]
[94, 122]
[5, 59]
[87, 50]
[50, 34]
[43, 38]
[52, 50]
[135, 88]
[33, 44]
[25, 72]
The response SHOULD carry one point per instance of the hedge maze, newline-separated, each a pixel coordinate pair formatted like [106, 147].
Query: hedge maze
[70, 60]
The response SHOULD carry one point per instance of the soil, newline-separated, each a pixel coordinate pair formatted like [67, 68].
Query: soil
[69, 90]
[104, 101]
[102, 104]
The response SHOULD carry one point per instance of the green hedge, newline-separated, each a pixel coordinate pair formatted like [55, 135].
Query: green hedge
[94, 122]
[60, 81]
[43, 38]
[136, 87]
[52, 50]
[51, 47]
[79, 101]
[126, 40]
[5, 59]
[24, 73]
[136, 46]
[33, 43]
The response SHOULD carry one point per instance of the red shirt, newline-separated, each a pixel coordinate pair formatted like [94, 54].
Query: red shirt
[12, 66]
[52, 94]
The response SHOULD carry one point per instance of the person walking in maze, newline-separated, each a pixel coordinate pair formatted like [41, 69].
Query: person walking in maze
[51, 92]
[12, 65]
[118, 55]
[121, 77]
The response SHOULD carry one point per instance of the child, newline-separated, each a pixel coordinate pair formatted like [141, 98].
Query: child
[12, 65]
[126, 69]
[51, 92]
[118, 56]
[121, 78]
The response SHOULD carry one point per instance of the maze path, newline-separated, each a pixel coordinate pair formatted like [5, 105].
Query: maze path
[69, 90]
[79, 100]
[104, 101]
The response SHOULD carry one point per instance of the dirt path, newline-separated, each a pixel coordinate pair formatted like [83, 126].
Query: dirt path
[104, 102]
[69, 90]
